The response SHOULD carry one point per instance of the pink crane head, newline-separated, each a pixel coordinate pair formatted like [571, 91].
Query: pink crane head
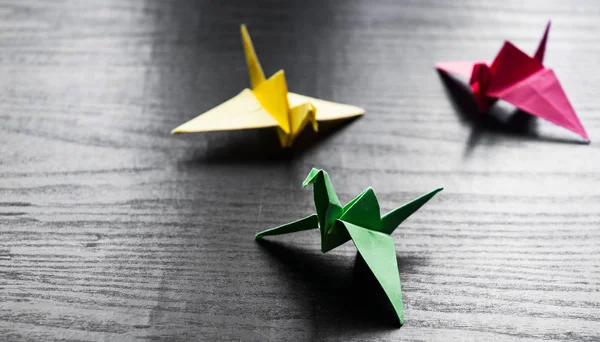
[481, 77]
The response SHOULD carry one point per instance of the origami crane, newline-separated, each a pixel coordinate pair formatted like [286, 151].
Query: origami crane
[521, 80]
[268, 104]
[359, 221]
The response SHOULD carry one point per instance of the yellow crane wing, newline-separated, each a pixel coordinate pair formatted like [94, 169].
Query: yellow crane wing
[243, 111]
[326, 110]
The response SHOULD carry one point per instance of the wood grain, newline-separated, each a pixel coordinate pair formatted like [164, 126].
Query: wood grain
[112, 229]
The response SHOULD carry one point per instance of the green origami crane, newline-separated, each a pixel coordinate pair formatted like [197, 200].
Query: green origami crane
[358, 220]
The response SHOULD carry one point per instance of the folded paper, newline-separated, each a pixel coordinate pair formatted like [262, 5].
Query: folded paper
[268, 104]
[521, 80]
[359, 221]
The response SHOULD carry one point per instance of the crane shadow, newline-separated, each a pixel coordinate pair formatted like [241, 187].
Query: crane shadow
[499, 120]
[346, 296]
[262, 145]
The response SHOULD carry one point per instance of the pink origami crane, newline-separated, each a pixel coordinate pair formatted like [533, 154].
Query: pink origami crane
[521, 80]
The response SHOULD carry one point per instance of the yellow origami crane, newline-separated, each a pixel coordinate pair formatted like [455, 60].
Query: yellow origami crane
[268, 104]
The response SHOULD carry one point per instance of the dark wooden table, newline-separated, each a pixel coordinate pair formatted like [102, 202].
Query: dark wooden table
[112, 229]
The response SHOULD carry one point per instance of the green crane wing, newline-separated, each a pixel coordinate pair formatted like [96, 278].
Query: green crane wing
[362, 211]
[377, 249]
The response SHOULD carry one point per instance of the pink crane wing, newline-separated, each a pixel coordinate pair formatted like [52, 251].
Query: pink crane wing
[541, 95]
[510, 66]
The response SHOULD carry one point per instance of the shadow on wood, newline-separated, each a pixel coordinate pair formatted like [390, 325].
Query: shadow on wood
[498, 120]
[349, 297]
[260, 146]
